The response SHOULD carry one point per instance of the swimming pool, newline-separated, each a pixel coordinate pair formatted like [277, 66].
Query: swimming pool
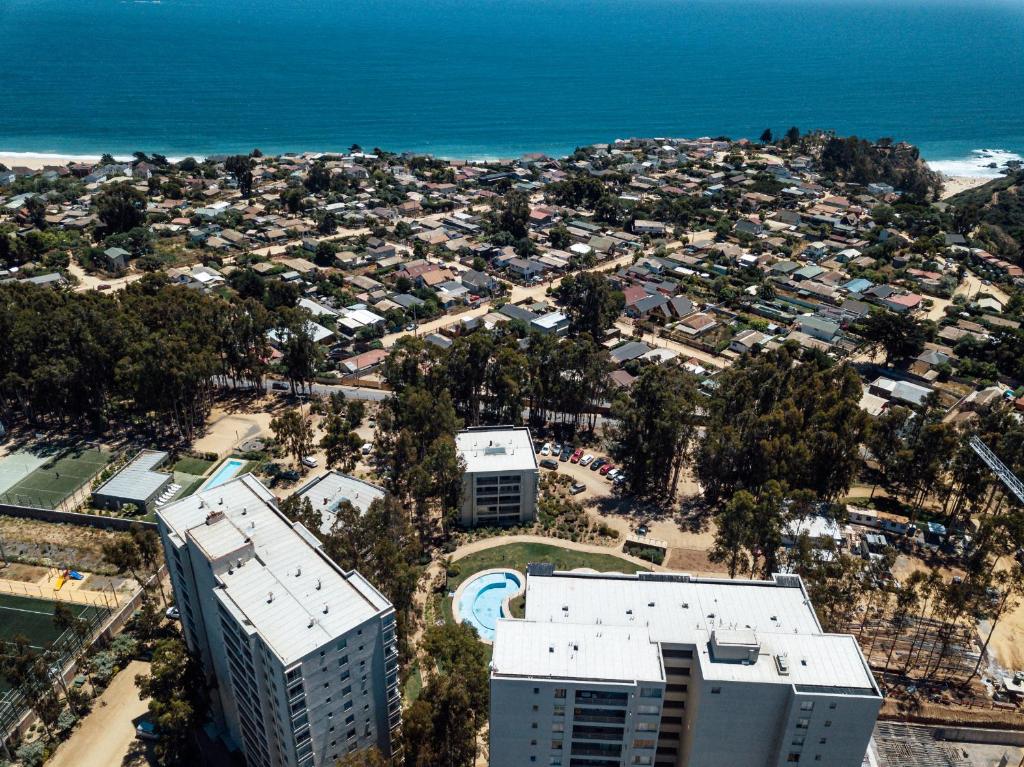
[479, 599]
[224, 472]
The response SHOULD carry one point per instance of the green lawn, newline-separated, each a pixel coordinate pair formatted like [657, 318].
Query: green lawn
[413, 685]
[518, 555]
[195, 466]
[58, 478]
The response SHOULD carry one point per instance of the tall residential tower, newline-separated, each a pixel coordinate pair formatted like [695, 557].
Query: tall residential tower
[303, 654]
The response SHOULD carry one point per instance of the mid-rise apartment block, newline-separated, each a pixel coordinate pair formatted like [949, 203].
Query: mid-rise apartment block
[499, 486]
[669, 670]
[302, 655]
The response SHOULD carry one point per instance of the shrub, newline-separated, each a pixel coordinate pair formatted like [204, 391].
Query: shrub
[66, 720]
[104, 665]
[124, 647]
[32, 754]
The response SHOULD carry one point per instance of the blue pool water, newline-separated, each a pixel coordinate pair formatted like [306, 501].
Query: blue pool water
[480, 603]
[227, 470]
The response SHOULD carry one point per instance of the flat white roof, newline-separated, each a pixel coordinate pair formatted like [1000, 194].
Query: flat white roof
[138, 480]
[680, 609]
[571, 651]
[272, 572]
[326, 493]
[497, 449]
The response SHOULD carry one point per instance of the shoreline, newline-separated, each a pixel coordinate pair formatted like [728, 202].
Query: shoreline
[959, 174]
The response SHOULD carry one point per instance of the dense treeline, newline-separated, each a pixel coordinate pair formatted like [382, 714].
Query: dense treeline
[153, 350]
[775, 417]
[863, 162]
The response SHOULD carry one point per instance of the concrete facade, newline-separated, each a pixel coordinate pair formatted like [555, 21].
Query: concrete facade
[499, 485]
[740, 673]
[302, 655]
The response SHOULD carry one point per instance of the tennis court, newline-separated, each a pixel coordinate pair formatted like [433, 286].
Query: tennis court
[53, 480]
[33, 618]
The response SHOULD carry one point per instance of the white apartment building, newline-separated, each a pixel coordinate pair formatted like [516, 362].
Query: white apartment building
[670, 670]
[303, 654]
[499, 486]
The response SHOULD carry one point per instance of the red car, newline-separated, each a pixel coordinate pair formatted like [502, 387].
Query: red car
[606, 468]
[577, 455]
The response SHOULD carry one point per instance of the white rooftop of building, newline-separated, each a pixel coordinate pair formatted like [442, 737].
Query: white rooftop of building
[274, 574]
[681, 609]
[139, 479]
[496, 449]
[327, 492]
[572, 651]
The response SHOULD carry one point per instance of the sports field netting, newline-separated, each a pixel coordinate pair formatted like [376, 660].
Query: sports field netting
[52, 482]
[33, 618]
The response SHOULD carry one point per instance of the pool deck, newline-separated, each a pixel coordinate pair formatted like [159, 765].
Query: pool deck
[505, 603]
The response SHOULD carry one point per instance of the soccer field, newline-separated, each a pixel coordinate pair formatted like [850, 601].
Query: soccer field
[49, 484]
[33, 618]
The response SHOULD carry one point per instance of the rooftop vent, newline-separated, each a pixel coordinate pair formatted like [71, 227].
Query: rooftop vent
[317, 584]
[298, 571]
[551, 648]
[782, 664]
[325, 608]
[244, 511]
[270, 597]
[310, 624]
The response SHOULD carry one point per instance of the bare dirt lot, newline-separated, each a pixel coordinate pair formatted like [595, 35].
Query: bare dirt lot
[46, 543]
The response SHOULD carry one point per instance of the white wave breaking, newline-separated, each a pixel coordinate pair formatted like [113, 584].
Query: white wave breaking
[981, 163]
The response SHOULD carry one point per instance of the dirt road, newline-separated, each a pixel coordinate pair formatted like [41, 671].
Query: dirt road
[106, 736]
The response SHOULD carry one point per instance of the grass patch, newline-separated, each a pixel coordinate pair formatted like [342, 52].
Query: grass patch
[195, 466]
[57, 479]
[518, 555]
[517, 606]
[413, 686]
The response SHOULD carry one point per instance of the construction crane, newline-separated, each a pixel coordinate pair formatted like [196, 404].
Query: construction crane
[1007, 477]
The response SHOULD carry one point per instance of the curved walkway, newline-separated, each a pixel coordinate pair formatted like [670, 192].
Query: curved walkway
[501, 540]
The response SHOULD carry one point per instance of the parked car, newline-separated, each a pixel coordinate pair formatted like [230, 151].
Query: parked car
[103, 286]
[577, 488]
[367, 448]
[173, 614]
[606, 468]
[549, 463]
[598, 464]
[279, 386]
[577, 455]
[411, 327]
[613, 474]
[586, 460]
[565, 454]
[309, 461]
[147, 730]
[546, 449]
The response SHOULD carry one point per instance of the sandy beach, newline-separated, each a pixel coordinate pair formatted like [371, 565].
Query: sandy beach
[952, 185]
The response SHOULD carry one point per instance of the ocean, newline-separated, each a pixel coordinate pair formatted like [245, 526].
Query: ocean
[498, 78]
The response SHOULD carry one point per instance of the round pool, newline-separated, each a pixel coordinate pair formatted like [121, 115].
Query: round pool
[480, 600]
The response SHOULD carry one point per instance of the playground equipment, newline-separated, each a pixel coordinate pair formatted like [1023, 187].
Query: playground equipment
[65, 575]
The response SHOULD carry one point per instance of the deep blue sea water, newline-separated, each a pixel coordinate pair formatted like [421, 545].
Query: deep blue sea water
[503, 77]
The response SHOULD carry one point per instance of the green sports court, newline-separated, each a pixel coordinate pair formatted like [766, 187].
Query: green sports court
[31, 479]
[33, 618]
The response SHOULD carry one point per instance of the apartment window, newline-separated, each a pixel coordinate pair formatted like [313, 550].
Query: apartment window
[351, 733]
[558, 711]
[536, 707]
[342, 644]
[716, 690]
[533, 742]
[650, 692]
[558, 727]
[802, 724]
[646, 727]
[533, 726]
[536, 691]
[828, 722]
[559, 693]
[832, 706]
[807, 705]
[647, 709]
[644, 743]
[793, 757]
[798, 740]
[350, 719]
[823, 741]
[347, 690]
[342, 660]
[641, 760]
[817, 757]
